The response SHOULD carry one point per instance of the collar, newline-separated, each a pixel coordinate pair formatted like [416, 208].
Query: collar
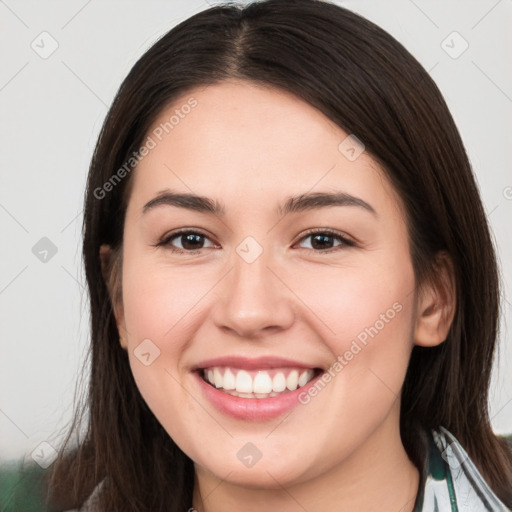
[451, 482]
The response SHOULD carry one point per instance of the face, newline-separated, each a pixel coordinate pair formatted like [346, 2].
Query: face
[290, 287]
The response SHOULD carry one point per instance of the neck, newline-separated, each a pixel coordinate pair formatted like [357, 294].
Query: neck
[377, 476]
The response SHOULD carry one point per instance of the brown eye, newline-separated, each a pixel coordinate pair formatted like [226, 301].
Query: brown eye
[191, 241]
[186, 241]
[326, 240]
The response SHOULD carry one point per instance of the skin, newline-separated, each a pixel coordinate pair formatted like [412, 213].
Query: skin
[251, 148]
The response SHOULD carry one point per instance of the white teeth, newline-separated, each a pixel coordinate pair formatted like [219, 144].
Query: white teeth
[217, 378]
[262, 385]
[304, 378]
[229, 380]
[244, 395]
[279, 382]
[252, 395]
[292, 380]
[243, 382]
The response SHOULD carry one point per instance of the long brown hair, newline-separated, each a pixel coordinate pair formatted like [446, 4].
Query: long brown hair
[368, 84]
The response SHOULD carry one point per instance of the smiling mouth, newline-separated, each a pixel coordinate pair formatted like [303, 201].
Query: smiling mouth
[266, 383]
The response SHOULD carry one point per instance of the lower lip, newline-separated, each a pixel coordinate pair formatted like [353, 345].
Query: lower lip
[253, 409]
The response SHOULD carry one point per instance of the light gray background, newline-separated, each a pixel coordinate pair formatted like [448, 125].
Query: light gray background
[51, 112]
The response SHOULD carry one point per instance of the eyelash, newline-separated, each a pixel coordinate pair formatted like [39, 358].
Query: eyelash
[345, 242]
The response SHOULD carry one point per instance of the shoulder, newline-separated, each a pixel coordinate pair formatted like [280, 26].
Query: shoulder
[91, 502]
[452, 482]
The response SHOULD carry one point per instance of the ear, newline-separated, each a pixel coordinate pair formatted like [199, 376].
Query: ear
[111, 271]
[436, 305]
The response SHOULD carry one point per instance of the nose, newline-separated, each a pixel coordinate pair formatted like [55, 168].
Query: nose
[254, 300]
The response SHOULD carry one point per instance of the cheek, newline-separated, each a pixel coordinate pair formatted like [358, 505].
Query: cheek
[366, 318]
[160, 312]
[369, 317]
[160, 302]
[160, 305]
[358, 303]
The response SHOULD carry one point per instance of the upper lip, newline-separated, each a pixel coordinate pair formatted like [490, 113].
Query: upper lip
[257, 363]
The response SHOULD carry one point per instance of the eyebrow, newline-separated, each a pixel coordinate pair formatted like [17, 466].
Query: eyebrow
[295, 204]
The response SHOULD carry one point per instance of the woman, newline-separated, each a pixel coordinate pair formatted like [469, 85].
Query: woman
[294, 293]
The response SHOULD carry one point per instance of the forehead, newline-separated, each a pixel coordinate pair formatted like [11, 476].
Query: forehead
[243, 139]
